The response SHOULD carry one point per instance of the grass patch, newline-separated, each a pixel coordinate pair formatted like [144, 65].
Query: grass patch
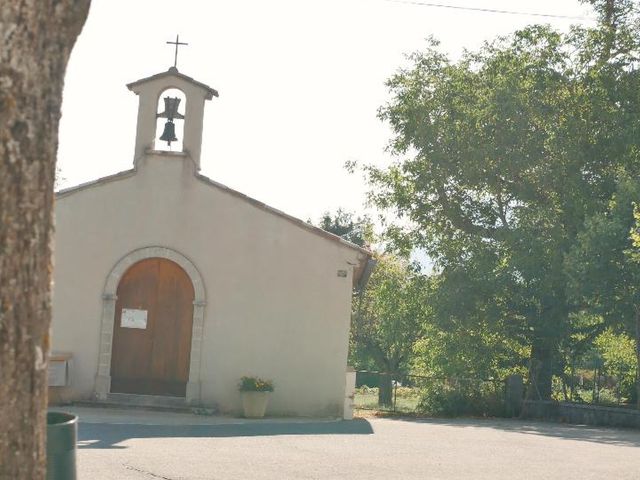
[406, 400]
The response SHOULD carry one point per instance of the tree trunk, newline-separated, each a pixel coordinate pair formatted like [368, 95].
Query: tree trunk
[385, 390]
[37, 38]
[540, 372]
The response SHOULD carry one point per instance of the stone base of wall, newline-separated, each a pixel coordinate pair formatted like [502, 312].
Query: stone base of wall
[582, 414]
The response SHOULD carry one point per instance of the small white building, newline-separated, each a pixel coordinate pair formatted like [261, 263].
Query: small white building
[172, 285]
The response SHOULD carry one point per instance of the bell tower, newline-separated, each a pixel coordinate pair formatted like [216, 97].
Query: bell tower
[157, 105]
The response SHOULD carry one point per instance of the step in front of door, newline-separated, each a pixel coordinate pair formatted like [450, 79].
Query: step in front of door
[146, 400]
[139, 402]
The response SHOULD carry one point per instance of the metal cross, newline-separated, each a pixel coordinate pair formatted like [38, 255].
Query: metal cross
[176, 43]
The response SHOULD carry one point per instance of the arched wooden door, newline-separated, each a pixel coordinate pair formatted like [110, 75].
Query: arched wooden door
[152, 330]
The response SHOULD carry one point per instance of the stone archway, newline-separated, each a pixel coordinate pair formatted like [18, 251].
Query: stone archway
[103, 377]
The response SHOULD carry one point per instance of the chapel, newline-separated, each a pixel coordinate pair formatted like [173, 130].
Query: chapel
[169, 286]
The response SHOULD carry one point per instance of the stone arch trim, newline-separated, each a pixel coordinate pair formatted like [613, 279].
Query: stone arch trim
[103, 378]
[111, 285]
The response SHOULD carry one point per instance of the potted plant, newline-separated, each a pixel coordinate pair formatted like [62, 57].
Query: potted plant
[255, 395]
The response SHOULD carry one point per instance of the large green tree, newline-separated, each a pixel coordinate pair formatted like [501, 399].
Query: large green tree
[503, 154]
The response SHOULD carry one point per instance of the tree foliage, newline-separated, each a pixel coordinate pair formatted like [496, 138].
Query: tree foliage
[390, 316]
[346, 225]
[604, 276]
[618, 351]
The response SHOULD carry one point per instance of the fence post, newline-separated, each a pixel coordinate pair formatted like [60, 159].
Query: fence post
[395, 394]
[514, 392]
[573, 378]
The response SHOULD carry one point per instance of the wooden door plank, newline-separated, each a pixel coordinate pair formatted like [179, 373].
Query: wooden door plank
[131, 348]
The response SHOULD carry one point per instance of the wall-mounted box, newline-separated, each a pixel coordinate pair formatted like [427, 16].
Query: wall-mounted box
[59, 369]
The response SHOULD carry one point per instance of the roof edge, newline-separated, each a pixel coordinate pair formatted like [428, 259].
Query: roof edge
[211, 92]
[65, 192]
[286, 216]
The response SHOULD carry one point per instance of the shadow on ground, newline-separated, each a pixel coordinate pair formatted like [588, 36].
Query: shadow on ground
[104, 435]
[584, 433]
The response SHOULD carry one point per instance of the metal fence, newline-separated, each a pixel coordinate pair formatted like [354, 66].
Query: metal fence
[453, 396]
[429, 395]
[598, 388]
[589, 379]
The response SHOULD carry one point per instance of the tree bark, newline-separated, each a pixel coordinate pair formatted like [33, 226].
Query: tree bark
[540, 372]
[385, 390]
[37, 38]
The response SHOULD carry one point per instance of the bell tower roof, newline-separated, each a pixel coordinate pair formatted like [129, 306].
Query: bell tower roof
[172, 72]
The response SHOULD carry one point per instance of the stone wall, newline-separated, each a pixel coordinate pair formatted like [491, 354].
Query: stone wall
[582, 413]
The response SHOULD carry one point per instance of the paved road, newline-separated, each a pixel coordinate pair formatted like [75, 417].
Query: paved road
[135, 446]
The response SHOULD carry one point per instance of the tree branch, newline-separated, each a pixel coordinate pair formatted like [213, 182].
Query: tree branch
[459, 220]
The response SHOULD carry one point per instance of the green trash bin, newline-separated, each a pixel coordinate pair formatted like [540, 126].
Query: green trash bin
[62, 433]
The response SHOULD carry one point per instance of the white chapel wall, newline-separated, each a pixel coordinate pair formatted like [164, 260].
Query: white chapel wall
[275, 305]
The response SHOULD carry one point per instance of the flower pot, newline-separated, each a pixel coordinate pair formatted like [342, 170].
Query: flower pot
[254, 404]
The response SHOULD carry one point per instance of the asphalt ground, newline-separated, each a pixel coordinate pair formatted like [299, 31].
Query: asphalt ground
[157, 445]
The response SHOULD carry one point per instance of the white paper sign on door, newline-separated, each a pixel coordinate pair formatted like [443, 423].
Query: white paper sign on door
[132, 318]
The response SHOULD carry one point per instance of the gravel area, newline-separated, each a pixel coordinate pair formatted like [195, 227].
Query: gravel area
[159, 445]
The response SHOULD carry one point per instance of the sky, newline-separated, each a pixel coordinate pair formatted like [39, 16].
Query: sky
[300, 84]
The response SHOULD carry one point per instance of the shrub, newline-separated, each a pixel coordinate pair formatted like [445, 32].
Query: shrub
[366, 390]
[406, 392]
[459, 399]
[606, 396]
[255, 384]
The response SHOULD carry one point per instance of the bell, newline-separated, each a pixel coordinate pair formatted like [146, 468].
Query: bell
[171, 108]
[169, 134]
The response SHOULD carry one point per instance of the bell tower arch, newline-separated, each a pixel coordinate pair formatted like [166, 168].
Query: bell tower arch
[149, 91]
[170, 121]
